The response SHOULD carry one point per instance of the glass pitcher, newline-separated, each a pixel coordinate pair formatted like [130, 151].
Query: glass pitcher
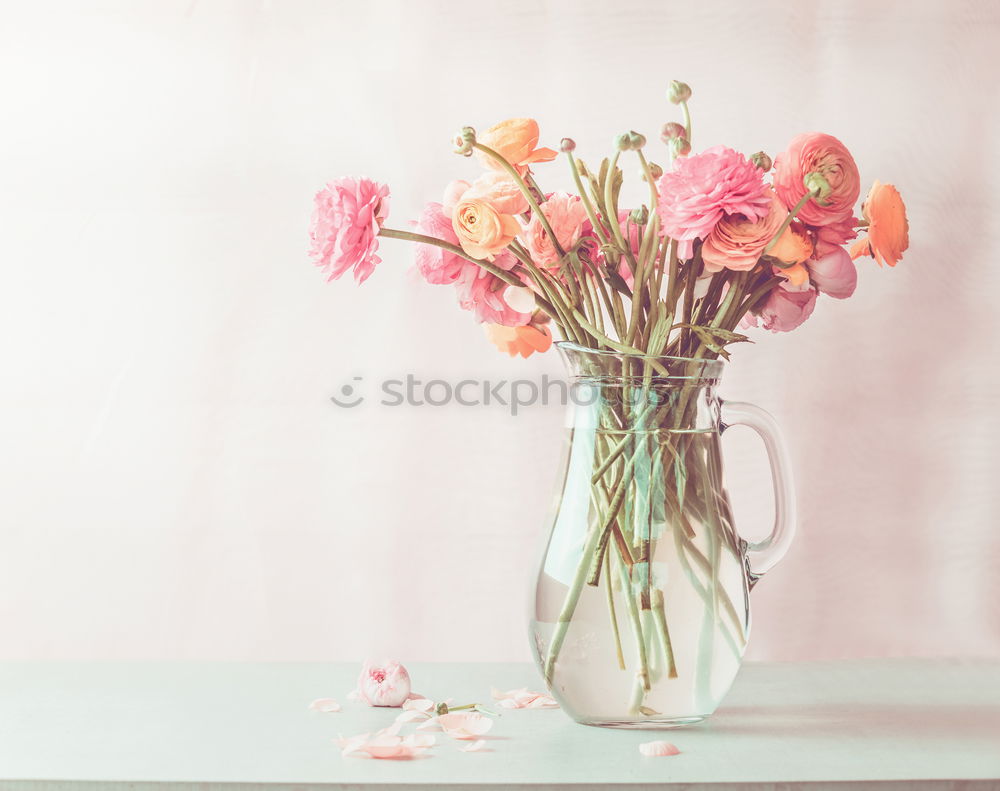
[641, 611]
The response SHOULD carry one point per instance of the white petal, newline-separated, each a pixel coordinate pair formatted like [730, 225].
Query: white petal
[658, 749]
[325, 705]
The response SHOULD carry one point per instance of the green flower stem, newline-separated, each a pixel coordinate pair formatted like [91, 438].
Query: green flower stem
[569, 605]
[791, 216]
[587, 205]
[609, 590]
[687, 120]
[660, 619]
[489, 266]
[563, 314]
[525, 190]
[611, 211]
[642, 677]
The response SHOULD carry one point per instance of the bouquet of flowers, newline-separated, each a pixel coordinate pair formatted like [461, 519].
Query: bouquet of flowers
[644, 298]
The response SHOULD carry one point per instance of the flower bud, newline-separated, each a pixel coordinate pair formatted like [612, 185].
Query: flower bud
[672, 130]
[464, 141]
[678, 92]
[680, 147]
[654, 170]
[762, 160]
[636, 140]
[817, 184]
[639, 216]
[441, 708]
[567, 144]
[623, 142]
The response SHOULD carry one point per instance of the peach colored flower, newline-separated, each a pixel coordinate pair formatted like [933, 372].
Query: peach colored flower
[813, 152]
[888, 228]
[482, 230]
[499, 190]
[793, 246]
[524, 340]
[384, 684]
[737, 242]
[566, 214]
[345, 223]
[515, 140]
[797, 275]
[701, 189]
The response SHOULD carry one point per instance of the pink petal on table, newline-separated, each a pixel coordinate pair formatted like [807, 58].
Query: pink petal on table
[543, 702]
[419, 740]
[418, 704]
[473, 747]
[385, 745]
[429, 725]
[523, 699]
[412, 716]
[352, 744]
[464, 725]
[325, 705]
[656, 749]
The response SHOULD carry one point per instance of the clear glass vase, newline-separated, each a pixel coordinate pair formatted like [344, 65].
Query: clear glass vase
[641, 611]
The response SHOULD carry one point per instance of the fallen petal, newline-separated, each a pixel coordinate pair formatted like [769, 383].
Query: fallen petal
[473, 747]
[421, 740]
[523, 699]
[656, 749]
[325, 705]
[464, 725]
[418, 704]
[412, 716]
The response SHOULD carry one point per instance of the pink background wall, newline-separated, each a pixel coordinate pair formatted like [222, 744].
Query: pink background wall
[175, 483]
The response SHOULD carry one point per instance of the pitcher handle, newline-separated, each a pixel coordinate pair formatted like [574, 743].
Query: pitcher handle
[764, 554]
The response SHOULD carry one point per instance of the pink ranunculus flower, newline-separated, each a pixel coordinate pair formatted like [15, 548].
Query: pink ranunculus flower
[485, 295]
[438, 266]
[384, 684]
[567, 215]
[737, 242]
[785, 309]
[836, 233]
[701, 189]
[344, 231]
[834, 273]
[813, 152]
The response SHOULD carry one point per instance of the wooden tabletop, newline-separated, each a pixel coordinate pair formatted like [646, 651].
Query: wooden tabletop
[205, 726]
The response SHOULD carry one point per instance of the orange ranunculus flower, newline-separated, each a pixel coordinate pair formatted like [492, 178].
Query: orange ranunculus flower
[793, 246]
[888, 228]
[524, 340]
[515, 140]
[482, 231]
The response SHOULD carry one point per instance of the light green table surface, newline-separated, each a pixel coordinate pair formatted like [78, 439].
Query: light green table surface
[208, 726]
